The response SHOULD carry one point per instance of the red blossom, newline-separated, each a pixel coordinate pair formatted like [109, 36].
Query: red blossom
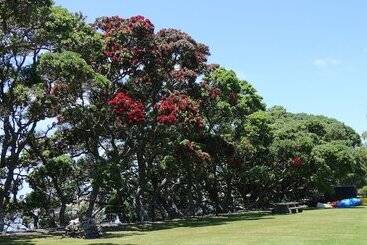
[131, 46]
[235, 161]
[297, 161]
[186, 57]
[183, 75]
[59, 88]
[233, 98]
[190, 149]
[124, 105]
[176, 106]
[214, 93]
[140, 23]
[126, 39]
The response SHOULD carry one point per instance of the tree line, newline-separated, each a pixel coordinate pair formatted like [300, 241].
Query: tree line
[118, 117]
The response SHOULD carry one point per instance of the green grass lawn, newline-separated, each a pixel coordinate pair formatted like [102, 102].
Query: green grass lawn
[334, 226]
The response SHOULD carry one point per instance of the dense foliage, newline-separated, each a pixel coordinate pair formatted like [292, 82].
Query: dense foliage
[118, 118]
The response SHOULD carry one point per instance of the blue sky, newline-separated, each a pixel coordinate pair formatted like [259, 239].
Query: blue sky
[308, 56]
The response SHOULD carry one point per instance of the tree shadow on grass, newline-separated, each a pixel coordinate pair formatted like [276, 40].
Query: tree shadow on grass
[20, 240]
[104, 243]
[114, 235]
[108, 243]
[349, 208]
[140, 229]
[195, 222]
[28, 239]
[120, 235]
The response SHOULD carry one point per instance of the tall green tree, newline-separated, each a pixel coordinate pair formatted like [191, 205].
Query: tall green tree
[30, 28]
[312, 154]
[21, 93]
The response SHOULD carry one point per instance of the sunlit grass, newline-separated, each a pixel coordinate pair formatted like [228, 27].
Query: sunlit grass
[334, 226]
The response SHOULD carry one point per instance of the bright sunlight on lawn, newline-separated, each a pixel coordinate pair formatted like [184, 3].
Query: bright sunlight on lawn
[334, 226]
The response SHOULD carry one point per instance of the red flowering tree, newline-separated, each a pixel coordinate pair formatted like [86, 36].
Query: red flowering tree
[154, 97]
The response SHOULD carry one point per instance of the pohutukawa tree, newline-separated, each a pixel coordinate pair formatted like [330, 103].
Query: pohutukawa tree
[156, 98]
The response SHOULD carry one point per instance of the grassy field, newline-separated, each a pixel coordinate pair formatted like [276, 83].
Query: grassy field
[335, 226]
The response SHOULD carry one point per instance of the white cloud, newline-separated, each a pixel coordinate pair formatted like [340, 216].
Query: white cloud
[326, 62]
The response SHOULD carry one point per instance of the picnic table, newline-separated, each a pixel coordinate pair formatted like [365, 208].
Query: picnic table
[287, 208]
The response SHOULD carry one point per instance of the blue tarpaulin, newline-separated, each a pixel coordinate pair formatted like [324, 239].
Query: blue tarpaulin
[348, 203]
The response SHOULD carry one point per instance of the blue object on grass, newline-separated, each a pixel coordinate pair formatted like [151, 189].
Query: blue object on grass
[348, 203]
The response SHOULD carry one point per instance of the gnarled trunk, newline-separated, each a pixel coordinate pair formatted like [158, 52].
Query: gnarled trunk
[139, 199]
[88, 223]
[4, 195]
[62, 218]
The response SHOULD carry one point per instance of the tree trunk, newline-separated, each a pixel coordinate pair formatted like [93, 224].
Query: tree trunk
[140, 205]
[171, 209]
[228, 195]
[92, 201]
[4, 195]
[35, 221]
[62, 198]
[2, 218]
[62, 218]
[154, 198]
[122, 212]
[141, 213]
[213, 191]
[88, 223]
[190, 197]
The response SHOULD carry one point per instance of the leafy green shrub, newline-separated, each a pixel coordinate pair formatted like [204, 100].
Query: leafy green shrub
[363, 191]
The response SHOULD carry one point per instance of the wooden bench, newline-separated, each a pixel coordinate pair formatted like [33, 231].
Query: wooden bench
[287, 208]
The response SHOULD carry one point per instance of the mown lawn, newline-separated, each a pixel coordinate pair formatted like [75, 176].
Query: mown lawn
[335, 226]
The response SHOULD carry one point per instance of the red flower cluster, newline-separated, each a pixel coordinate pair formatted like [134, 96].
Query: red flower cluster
[125, 38]
[235, 161]
[140, 24]
[126, 106]
[179, 105]
[109, 24]
[233, 98]
[176, 47]
[58, 89]
[115, 52]
[183, 75]
[117, 24]
[296, 161]
[191, 149]
[209, 90]
[214, 93]
[167, 112]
